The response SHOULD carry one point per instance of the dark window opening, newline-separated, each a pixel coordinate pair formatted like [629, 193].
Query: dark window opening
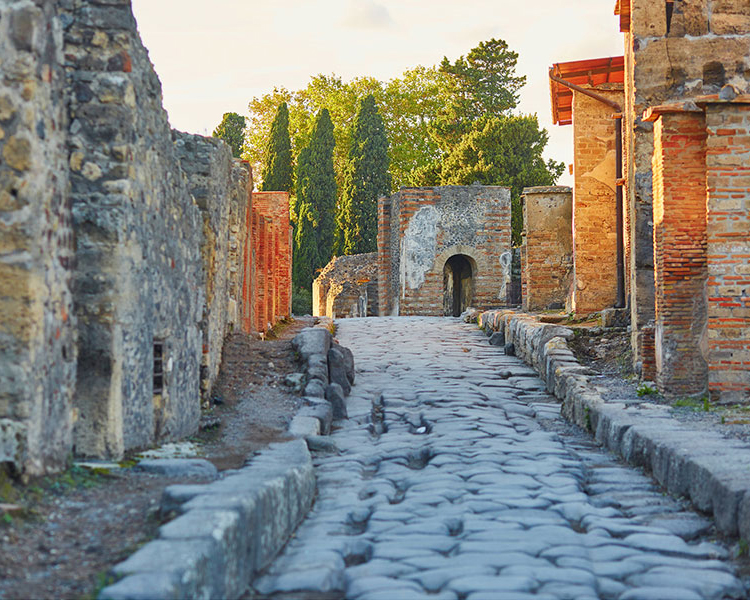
[158, 367]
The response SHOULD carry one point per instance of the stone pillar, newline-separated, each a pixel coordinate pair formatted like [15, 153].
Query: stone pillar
[679, 205]
[728, 178]
[547, 251]
[594, 203]
[384, 257]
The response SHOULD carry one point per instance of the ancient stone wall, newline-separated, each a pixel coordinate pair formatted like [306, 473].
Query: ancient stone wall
[679, 203]
[547, 250]
[37, 324]
[222, 196]
[272, 239]
[430, 229]
[117, 287]
[594, 202]
[673, 52]
[139, 281]
[347, 287]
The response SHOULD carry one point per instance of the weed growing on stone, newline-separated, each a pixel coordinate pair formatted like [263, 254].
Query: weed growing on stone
[645, 390]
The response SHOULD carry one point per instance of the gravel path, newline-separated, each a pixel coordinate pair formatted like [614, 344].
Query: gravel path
[457, 479]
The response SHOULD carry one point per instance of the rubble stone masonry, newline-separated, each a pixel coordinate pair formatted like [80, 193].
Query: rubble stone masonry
[728, 179]
[679, 204]
[547, 251]
[126, 249]
[347, 287]
[426, 228]
[220, 188]
[37, 324]
[139, 278]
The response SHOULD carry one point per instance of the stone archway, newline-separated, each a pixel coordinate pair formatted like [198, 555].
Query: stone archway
[458, 284]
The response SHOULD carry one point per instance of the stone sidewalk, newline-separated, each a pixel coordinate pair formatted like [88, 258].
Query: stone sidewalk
[456, 478]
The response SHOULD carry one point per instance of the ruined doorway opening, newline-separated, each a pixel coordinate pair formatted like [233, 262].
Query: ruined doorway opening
[458, 284]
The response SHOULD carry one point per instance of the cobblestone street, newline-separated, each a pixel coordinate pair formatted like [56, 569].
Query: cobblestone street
[457, 479]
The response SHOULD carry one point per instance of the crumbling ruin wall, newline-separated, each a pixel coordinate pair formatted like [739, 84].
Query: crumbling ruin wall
[138, 281]
[222, 196]
[37, 324]
[547, 250]
[673, 51]
[427, 227]
[347, 287]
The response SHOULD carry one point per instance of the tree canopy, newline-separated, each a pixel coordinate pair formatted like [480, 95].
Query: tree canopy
[315, 203]
[277, 169]
[443, 125]
[232, 131]
[366, 179]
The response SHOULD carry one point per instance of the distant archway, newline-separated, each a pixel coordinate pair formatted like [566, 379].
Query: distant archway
[458, 284]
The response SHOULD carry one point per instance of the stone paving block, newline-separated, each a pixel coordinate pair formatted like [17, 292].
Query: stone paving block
[178, 467]
[314, 580]
[467, 585]
[303, 426]
[146, 586]
[194, 563]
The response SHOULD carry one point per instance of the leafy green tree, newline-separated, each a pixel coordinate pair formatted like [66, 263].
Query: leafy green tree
[504, 150]
[315, 203]
[365, 180]
[277, 170]
[232, 131]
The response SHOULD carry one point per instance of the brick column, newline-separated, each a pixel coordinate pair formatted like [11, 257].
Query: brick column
[547, 253]
[728, 178]
[679, 204]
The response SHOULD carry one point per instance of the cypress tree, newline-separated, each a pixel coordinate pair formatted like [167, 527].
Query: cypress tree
[315, 203]
[305, 248]
[366, 179]
[277, 171]
[322, 191]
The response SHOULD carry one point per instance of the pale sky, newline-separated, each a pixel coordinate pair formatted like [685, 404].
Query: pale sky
[213, 56]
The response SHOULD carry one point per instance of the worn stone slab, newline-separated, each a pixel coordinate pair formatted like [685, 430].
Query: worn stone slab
[312, 340]
[229, 529]
[178, 467]
[707, 468]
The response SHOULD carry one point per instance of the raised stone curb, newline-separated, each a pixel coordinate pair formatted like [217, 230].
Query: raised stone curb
[227, 531]
[709, 469]
[329, 373]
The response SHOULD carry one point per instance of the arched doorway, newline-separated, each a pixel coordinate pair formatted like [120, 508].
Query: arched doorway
[458, 284]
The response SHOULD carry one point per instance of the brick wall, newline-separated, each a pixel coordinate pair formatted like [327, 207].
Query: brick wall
[272, 240]
[594, 203]
[728, 178]
[428, 226]
[547, 251]
[679, 205]
[708, 46]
